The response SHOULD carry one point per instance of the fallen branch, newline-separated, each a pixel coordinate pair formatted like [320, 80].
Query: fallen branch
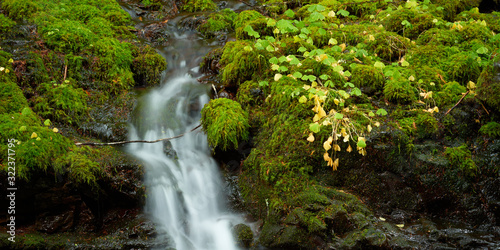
[466, 93]
[136, 141]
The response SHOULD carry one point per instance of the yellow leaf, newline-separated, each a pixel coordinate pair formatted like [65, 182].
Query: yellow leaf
[327, 122]
[369, 127]
[277, 77]
[326, 156]
[55, 130]
[306, 87]
[326, 145]
[349, 149]
[411, 78]
[342, 46]
[321, 112]
[310, 138]
[377, 124]
[316, 118]
[400, 225]
[34, 135]
[336, 101]
[331, 13]
[346, 138]
[335, 164]
[380, 218]
[322, 57]
[343, 132]
[336, 147]
[371, 38]
[330, 140]
[436, 109]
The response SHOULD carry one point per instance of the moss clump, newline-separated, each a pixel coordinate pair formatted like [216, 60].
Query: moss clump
[452, 8]
[241, 62]
[436, 36]
[199, 5]
[450, 94]
[246, 16]
[488, 85]
[20, 9]
[217, 23]
[12, 99]
[243, 235]
[368, 76]
[225, 123]
[147, 66]
[464, 67]
[421, 126]
[67, 36]
[5, 24]
[79, 166]
[259, 25]
[389, 45]
[461, 157]
[399, 90]
[249, 94]
[491, 129]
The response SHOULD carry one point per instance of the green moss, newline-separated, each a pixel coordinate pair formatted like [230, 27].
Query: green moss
[218, 22]
[242, 64]
[400, 90]
[488, 85]
[147, 66]
[12, 99]
[259, 25]
[422, 125]
[5, 24]
[199, 5]
[246, 16]
[61, 102]
[20, 9]
[79, 167]
[367, 76]
[464, 67]
[437, 36]
[67, 36]
[491, 129]
[430, 55]
[450, 94]
[452, 8]
[243, 235]
[389, 45]
[249, 94]
[461, 157]
[225, 123]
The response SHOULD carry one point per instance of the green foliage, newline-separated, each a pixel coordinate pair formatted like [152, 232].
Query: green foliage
[67, 36]
[249, 94]
[218, 22]
[437, 36]
[488, 85]
[368, 76]
[399, 90]
[450, 94]
[12, 99]
[246, 16]
[199, 5]
[464, 67]
[79, 167]
[389, 45]
[420, 125]
[147, 66]
[241, 62]
[225, 123]
[461, 157]
[491, 129]
[20, 9]
[5, 24]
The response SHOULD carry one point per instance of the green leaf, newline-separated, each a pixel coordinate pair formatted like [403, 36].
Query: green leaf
[275, 67]
[371, 114]
[361, 144]
[289, 13]
[282, 59]
[324, 77]
[271, 22]
[356, 91]
[273, 60]
[315, 16]
[22, 128]
[339, 116]
[263, 83]
[297, 75]
[361, 53]
[283, 68]
[294, 61]
[314, 127]
[270, 48]
[381, 112]
[305, 31]
[482, 50]
[338, 68]
[344, 13]
[379, 65]
[248, 48]
[347, 73]
[47, 122]
[322, 31]
[329, 83]
[405, 63]
[303, 99]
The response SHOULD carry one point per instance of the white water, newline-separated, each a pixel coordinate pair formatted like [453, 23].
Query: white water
[184, 194]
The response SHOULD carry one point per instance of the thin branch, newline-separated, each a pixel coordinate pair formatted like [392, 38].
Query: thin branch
[466, 93]
[136, 141]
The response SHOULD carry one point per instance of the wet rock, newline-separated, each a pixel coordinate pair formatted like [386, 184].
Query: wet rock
[55, 223]
[243, 235]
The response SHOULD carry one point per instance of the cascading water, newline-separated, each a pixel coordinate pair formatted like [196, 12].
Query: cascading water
[184, 186]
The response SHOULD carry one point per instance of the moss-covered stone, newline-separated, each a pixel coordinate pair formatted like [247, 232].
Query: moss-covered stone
[243, 235]
[389, 45]
[246, 16]
[5, 24]
[225, 123]
[199, 5]
[217, 23]
[488, 85]
[367, 76]
[400, 90]
[242, 62]
[460, 157]
[147, 66]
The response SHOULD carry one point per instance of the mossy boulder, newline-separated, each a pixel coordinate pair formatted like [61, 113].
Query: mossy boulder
[225, 123]
[147, 66]
[246, 16]
[243, 235]
[5, 24]
[488, 85]
[368, 76]
[199, 5]
[400, 90]
[242, 62]
[218, 23]
[389, 45]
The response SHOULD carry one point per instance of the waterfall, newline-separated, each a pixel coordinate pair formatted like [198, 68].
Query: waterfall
[185, 196]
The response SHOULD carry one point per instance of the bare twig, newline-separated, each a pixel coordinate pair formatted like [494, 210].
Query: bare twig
[65, 71]
[136, 141]
[466, 93]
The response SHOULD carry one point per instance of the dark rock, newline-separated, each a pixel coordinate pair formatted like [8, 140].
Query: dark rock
[243, 235]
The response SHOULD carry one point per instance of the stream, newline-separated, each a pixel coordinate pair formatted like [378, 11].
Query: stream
[185, 196]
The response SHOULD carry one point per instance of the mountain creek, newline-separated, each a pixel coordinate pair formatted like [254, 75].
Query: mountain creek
[284, 91]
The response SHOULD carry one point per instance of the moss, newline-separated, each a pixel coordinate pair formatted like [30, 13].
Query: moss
[464, 67]
[62, 102]
[488, 85]
[79, 167]
[367, 76]
[450, 94]
[437, 36]
[399, 90]
[243, 235]
[225, 123]
[422, 125]
[147, 66]
[474, 30]
[246, 16]
[259, 25]
[430, 55]
[5, 24]
[199, 5]
[461, 157]
[389, 45]
[491, 129]
[452, 8]
[20, 9]
[249, 94]
[67, 36]
[242, 64]
[218, 22]
[12, 99]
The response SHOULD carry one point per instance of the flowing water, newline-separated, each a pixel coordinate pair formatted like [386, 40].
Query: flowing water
[185, 196]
